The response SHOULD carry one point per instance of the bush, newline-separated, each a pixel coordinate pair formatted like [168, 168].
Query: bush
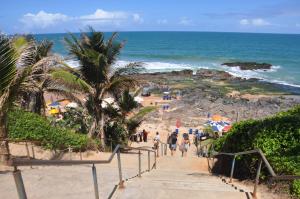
[295, 188]
[24, 125]
[277, 136]
[115, 134]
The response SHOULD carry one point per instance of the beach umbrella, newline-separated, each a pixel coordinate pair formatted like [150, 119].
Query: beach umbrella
[54, 104]
[216, 117]
[227, 128]
[215, 128]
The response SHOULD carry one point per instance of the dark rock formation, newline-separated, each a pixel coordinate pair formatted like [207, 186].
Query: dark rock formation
[249, 65]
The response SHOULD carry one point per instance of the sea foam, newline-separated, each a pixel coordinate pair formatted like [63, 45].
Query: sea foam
[156, 66]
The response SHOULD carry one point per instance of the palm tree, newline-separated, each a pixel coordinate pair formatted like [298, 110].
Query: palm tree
[45, 76]
[97, 57]
[119, 120]
[11, 81]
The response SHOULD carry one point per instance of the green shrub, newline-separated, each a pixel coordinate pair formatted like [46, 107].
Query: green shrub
[115, 134]
[277, 136]
[295, 188]
[24, 125]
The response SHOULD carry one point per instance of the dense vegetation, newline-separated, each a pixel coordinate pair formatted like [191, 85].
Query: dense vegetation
[277, 136]
[24, 125]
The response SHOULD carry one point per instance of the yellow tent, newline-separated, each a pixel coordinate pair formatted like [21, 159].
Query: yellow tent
[54, 111]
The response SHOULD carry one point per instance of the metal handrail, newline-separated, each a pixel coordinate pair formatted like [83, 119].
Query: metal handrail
[263, 159]
[17, 162]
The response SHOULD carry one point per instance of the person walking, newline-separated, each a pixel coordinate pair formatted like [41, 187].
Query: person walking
[145, 135]
[156, 141]
[173, 141]
[185, 144]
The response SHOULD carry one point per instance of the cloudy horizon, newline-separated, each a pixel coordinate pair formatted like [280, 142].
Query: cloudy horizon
[270, 16]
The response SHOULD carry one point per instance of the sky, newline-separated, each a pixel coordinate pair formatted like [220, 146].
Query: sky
[58, 16]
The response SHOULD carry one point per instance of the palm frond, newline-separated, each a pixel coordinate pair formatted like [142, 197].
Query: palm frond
[7, 63]
[66, 94]
[71, 81]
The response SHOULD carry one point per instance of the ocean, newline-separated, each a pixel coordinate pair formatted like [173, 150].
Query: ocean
[167, 51]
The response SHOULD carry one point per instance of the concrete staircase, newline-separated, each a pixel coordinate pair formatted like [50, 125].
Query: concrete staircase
[179, 177]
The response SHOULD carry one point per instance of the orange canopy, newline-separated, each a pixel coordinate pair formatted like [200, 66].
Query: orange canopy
[216, 118]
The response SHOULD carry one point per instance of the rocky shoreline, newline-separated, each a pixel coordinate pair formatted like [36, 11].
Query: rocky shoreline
[249, 65]
[218, 92]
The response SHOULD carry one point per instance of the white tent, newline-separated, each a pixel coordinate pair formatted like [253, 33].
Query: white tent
[72, 105]
[138, 99]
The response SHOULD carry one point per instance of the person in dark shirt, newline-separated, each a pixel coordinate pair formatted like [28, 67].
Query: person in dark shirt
[173, 141]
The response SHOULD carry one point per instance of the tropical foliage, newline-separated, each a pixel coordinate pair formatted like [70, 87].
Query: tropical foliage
[278, 137]
[97, 56]
[44, 76]
[24, 125]
[10, 84]
[119, 127]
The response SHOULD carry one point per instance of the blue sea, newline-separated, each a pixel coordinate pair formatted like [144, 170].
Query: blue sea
[167, 51]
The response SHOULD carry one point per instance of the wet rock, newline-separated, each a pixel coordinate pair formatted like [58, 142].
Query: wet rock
[249, 65]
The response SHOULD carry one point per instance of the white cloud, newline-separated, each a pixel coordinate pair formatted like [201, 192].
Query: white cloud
[254, 22]
[185, 21]
[162, 21]
[244, 22]
[260, 22]
[102, 16]
[43, 19]
[137, 18]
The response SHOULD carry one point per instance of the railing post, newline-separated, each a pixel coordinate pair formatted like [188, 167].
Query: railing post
[33, 154]
[121, 183]
[166, 149]
[162, 149]
[155, 159]
[80, 154]
[27, 150]
[94, 172]
[19, 184]
[70, 152]
[232, 169]
[149, 161]
[257, 178]
[140, 164]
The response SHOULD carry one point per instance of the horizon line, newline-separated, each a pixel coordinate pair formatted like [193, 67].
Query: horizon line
[124, 31]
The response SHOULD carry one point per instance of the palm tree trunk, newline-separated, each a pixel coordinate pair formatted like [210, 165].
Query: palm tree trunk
[102, 133]
[92, 129]
[4, 148]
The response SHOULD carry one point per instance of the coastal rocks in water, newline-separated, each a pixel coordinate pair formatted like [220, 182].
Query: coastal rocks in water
[213, 74]
[249, 65]
[183, 72]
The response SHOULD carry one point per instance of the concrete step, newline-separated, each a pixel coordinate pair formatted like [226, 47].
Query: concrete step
[163, 184]
[154, 193]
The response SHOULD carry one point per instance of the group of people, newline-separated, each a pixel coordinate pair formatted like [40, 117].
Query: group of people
[140, 136]
[183, 146]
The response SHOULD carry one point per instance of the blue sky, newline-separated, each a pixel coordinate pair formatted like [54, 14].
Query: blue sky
[50, 16]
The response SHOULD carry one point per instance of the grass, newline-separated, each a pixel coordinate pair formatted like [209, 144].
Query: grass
[144, 111]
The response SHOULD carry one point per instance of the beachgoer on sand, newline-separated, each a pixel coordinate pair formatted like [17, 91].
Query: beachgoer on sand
[185, 143]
